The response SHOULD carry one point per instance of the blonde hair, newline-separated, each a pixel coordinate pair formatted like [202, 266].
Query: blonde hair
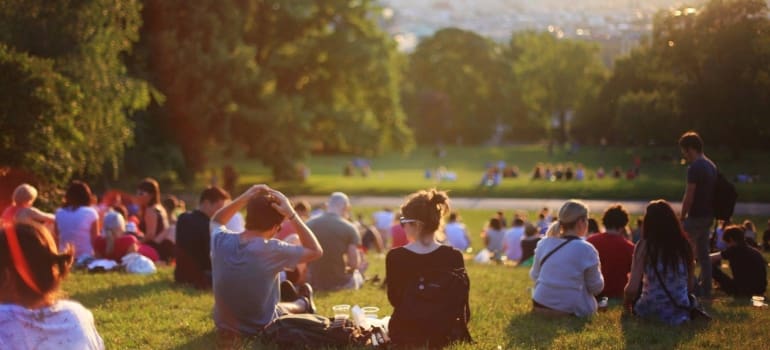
[24, 193]
[114, 227]
[572, 211]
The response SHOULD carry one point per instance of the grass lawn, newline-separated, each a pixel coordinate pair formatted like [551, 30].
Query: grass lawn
[662, 176]
[150, 312]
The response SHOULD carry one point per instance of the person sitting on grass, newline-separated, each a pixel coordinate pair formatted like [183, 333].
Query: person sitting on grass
[407, 267]
[114, 244]
[528, 245]
[615, 250]
[566, 268]
[21, 208]
[748, 266]
[32, 316]
[512, 240]
[193, 239]
[663, 267]
[246, 265]
[493, 239]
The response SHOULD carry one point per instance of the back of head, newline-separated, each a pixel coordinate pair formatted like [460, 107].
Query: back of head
[24, 194]
[615, 217]
[213, 194]
[518, 222]
[427, 207]
[569, 214]
[665, 239]
[302, 207]
[748, 225]
[338, 203]
[114, 223]
[691, 140]
[78, 195]
[150, 186]
[530, 230]
[735, 234]
[170, 202]
[260, 214]
[28, 249]
[495, 224]
[453, 216]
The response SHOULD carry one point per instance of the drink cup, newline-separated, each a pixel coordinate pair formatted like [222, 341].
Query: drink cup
[758, 301]
[371, 311]
[341, 312]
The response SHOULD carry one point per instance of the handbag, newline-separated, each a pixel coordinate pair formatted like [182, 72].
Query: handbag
[695, 309]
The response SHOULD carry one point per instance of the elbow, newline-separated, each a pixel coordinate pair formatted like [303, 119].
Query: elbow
[317, 254]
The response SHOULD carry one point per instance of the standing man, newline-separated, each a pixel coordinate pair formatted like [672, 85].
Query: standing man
[698, 204]
[245, 266]
[340, 266]
[193, 239]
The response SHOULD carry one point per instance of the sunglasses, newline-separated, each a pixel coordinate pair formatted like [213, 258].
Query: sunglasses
[405, 221]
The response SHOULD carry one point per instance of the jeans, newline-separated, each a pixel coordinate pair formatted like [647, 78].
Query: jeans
[698, 229]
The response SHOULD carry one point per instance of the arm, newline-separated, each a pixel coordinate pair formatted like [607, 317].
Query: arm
[224, 214]
[352, 256]
[95, 229]
[594, 279]
[689, 194]
[716, 258]
[312, 249]
[635, 281]
[377, 239]
[40, 216]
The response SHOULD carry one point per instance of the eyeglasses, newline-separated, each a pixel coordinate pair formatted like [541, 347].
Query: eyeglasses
[405, 221]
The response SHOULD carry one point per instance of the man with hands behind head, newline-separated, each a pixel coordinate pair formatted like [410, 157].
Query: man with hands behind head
[245, 265]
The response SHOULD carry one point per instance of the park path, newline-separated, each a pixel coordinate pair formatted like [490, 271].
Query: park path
[508, 204]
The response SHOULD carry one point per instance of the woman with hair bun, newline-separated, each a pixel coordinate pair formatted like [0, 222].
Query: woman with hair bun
[419, 261]
[566, 268]
[32, 316]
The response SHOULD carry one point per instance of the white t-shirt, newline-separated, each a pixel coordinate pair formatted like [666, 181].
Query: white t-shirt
[570, 277]
[456, 235]
[64, 325]
[512, 243]
[383, 219]
[74, 227]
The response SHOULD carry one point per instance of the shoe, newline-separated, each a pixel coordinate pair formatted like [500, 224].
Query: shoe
[306, 291]
[288, 291]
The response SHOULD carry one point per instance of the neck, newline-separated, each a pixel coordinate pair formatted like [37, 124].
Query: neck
[614, 232]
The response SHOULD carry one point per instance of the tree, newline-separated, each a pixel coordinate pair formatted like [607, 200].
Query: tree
[274, 78]
[556, 77]
[720, 55]
[459, 88]
[67, 92]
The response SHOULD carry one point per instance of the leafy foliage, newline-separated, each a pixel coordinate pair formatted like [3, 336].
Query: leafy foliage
[65, 88]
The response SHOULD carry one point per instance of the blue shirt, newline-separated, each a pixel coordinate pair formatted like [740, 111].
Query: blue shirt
[703, 173]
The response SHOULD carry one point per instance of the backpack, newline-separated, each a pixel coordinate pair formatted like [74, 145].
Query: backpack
[725, 197]
[434, 309]
[310, 331]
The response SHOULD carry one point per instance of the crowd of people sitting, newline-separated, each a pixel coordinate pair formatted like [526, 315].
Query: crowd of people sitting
[290, 251]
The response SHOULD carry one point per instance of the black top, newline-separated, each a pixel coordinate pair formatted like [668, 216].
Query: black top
[193, 242]
[703, 173]
[401, 265]
[749, 269]
[528, 248]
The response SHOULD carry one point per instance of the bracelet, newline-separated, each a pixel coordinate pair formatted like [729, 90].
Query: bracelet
[292, 216]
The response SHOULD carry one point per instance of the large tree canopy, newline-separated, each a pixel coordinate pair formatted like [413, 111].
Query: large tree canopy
[65, 88]
[276, 78]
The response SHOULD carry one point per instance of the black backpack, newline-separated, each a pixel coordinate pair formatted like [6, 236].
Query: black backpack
[310, 331]
[725, 197]
[434, 309]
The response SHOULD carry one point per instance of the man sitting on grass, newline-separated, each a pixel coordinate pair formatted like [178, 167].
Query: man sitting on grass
[747, 265]
[245, 266]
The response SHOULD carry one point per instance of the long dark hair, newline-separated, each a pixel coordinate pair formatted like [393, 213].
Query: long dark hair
[666, 242]
[150, 186]
[78, 195]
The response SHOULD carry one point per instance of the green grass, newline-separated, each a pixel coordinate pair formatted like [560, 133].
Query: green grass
[662, 175]
[150, 312]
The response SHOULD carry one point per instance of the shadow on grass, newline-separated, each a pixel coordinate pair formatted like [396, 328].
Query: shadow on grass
[536, 331]
[650, 333]
[132, 291]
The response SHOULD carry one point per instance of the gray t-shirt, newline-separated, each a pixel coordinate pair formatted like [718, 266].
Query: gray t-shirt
[334, 234]
[63, 325]
[245, 279]
[703, 173]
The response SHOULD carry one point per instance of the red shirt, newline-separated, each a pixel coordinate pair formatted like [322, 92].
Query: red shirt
[119, 249]
[615, 255]
[398, 234]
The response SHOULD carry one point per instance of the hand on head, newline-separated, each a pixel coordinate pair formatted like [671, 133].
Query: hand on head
[281, 203]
